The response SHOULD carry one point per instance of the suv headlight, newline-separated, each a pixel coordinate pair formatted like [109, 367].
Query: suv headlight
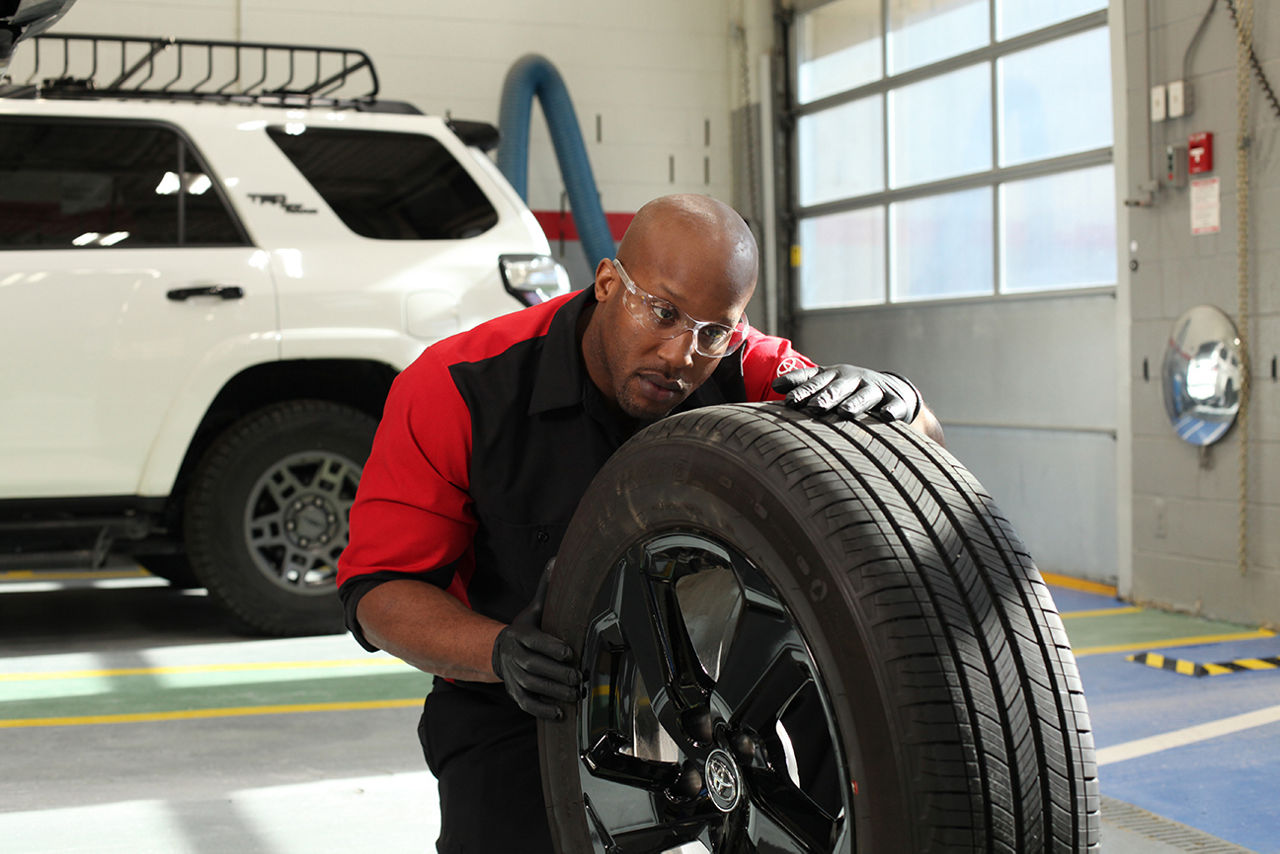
[533, 278]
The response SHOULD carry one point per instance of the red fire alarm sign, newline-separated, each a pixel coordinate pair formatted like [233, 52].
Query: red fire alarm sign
[1200, 153]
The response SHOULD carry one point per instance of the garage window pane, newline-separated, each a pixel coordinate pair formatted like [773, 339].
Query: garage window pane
[1015, 17]
[926, 31]
[941, 246]
[842, 151]
[842, 259]
[941, 127]
[838, 48]
[1059, 231]
[1056, 99]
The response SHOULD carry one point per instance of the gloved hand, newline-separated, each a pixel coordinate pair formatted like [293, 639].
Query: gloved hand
[849, 391]
[533, 664]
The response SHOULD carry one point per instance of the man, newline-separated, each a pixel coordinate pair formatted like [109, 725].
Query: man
[486, 444]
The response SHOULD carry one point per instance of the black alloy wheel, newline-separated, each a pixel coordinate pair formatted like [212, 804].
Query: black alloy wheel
[735, 745]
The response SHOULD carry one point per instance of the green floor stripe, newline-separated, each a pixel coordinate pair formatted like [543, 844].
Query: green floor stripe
[1142, 627]
[134, 696]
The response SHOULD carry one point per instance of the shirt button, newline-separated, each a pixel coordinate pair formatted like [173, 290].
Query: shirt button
[542, 536]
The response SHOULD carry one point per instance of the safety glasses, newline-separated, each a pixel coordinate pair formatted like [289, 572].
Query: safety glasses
[662, 318]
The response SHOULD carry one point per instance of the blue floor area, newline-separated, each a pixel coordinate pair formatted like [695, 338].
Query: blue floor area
[1226, 785]
[1074, 600]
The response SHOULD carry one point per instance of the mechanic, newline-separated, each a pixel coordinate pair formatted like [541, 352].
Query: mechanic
[488, 441]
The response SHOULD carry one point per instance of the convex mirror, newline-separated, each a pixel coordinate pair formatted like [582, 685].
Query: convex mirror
[1202, 375]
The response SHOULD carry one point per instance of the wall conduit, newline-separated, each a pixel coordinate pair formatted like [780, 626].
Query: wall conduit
[533, 75]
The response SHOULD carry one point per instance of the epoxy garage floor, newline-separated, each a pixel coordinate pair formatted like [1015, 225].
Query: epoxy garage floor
[131, 720]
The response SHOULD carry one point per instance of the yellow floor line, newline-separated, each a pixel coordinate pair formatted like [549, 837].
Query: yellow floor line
[71, 575]
[1101, 612]
[1055, 580]
[193, 714]
[202, 668]
[1163, 644]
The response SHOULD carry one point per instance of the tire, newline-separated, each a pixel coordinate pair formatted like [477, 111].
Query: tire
[267, 514]
[852, 651]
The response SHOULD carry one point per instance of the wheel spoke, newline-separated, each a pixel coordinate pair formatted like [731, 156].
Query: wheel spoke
[332, 476]
[764, 668]
[606, 760]
[626, 796]
[780, 805]
[652, 625]
[267, 528]
[284, 486]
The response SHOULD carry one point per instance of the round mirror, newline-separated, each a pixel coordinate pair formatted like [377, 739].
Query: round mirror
[1202, 375]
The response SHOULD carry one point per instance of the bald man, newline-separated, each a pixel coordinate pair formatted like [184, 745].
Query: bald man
[487, 443]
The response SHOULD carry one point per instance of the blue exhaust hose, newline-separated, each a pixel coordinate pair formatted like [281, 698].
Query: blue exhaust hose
[535, 75]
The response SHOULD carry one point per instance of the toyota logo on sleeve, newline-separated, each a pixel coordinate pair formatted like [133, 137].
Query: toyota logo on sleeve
[789, 364]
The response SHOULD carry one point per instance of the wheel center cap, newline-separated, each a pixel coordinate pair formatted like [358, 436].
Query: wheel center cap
[722, 780]
[310, 521]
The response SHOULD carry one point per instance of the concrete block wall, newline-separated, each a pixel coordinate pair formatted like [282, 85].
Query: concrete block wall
[1186, 519]
[659, 78]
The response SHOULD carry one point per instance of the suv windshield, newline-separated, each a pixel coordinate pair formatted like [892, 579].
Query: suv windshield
[389, 186]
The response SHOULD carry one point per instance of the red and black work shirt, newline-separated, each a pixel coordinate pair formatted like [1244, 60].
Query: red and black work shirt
[487, 443]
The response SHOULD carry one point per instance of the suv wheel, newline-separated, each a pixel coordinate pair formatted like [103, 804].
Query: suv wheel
[805, 636]
[267, 514]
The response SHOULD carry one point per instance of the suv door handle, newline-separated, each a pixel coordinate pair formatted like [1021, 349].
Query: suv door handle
[220, 291]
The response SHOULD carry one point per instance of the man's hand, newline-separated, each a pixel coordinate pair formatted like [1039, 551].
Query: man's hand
[848, 391]
[532, 664]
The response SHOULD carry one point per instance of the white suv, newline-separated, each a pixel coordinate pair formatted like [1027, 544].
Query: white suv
[214, 260]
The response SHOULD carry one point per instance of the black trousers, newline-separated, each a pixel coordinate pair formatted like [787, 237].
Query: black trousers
[483, 752]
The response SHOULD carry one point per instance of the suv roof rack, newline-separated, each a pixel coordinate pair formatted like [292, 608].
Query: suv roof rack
[65, 65]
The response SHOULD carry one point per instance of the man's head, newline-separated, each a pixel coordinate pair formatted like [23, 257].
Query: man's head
[692, 252]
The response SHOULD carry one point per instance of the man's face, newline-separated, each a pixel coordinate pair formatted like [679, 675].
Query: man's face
[645, 374]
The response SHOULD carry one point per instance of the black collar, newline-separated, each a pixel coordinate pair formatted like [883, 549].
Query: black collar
[561, 371]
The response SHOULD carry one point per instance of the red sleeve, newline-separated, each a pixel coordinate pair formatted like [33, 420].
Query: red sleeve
[412, 511]
[765, 357]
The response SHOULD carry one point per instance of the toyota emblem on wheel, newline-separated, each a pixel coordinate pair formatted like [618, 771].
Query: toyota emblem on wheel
[722, 780]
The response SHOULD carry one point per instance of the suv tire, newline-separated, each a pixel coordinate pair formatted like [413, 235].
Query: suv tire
[267, 514]
[742, 567]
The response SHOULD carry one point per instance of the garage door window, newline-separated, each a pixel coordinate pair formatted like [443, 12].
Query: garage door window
[67, 185]
[389, 186]
[951, 149]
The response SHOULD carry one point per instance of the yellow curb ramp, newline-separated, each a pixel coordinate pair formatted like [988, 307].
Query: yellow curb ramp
[1195, 668]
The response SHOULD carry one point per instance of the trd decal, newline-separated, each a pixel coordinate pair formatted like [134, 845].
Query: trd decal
[279, 199]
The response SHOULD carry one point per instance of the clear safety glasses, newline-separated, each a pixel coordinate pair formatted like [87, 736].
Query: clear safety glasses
[714, 340]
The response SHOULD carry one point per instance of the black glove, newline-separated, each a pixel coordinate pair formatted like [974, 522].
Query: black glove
[532, 664]
[848, 391]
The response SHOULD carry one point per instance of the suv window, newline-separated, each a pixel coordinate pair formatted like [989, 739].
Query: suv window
[94, 185]
[389, 186]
